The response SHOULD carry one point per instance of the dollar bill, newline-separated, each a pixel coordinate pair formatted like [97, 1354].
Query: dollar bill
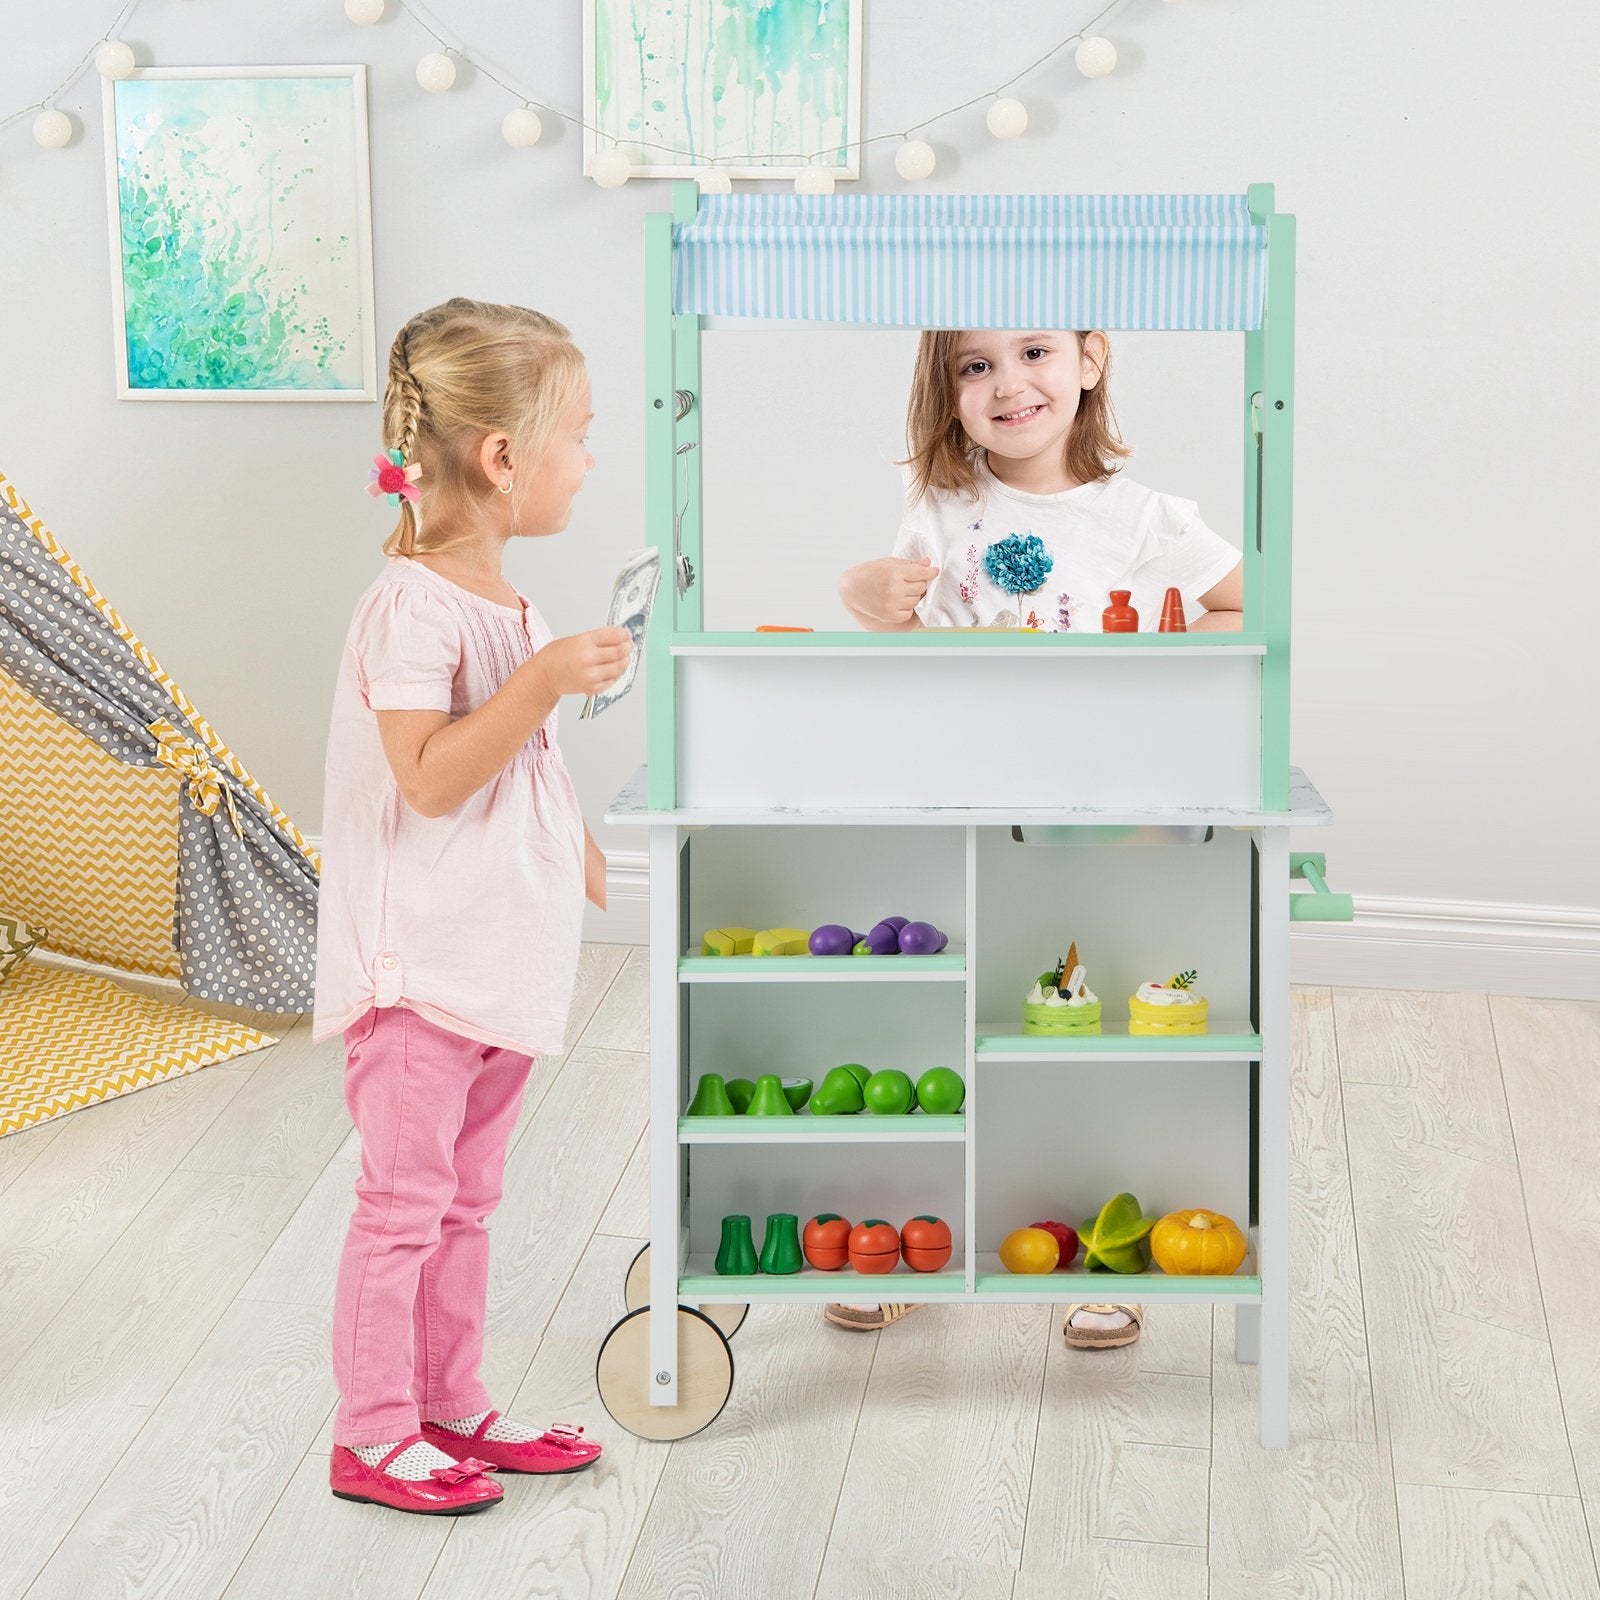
[632, 597]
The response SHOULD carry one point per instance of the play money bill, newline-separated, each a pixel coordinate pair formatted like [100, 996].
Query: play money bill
[632, 597]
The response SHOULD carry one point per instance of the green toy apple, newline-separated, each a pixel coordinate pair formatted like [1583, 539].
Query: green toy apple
[887, 1093]
[940, 1091]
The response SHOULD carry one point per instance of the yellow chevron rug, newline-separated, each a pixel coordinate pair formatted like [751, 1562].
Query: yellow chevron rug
[69, 1039]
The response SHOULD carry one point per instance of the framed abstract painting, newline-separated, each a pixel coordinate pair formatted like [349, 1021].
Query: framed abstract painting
[758, 88]
[241, 233]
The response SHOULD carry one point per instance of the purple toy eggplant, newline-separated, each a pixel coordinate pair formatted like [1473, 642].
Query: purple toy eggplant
[883, 940]
[832, 939]
[921, 939]
[897, 923]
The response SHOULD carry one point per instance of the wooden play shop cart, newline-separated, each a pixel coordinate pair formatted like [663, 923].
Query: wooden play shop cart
[783, 787]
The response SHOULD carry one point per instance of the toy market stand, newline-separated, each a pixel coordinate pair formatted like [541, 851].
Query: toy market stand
[784, 787]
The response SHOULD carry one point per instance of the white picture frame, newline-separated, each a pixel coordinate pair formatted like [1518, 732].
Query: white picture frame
[240, 220]
[740, 134]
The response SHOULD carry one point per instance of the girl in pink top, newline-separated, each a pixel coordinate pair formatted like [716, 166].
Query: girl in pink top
[455, 864]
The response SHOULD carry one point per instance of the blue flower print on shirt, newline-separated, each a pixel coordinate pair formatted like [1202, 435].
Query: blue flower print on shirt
[1018, 563]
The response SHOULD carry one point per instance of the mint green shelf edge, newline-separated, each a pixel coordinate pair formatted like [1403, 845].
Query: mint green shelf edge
[861, 969]
[859, 1128]
[830, 1285]
[1116, 1044]
[1130, 1286]
[934, 639]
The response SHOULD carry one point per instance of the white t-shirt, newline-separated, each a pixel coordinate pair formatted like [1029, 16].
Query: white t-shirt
[1098, 537]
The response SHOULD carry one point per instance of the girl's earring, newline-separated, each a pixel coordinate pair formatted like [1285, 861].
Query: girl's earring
[505, 488]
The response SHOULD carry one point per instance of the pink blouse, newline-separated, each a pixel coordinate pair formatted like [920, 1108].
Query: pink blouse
[471, 919]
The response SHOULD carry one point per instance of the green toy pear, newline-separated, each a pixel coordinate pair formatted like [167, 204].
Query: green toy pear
[1115, 1240]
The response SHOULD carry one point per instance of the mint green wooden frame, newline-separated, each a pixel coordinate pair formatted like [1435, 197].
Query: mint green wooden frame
[672, 362]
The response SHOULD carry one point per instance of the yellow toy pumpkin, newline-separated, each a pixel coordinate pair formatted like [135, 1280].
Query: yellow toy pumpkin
[1198, 1243]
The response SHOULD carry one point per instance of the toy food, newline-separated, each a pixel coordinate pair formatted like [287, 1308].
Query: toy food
[1114, 1241]
[1119, 616]
[781, 942]
[921, 939]
[888, 1093]
[832, 939]
[727, 942]
[925, 1243]
[737, 1255]
[1061, 1001]
[857, 1071]
[838, 1095]
[796, 1091]
[711, 1098]
[740, 1093]
[940, 1091]
[874, 1246]
[769, 1100]
[827, 1241]
[1066, 1240]
[780, 1245]
[1172, 618]
[1199, 1243]
[1029, 1250]
[883, 939]
[1168, 1009]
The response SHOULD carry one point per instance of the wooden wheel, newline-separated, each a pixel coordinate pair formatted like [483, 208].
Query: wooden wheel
[636, 1293]
[705, 1376]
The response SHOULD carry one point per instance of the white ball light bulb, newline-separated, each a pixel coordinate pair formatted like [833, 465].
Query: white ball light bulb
[436, 72]
[813, 180]
[610, 168]
[52, 129]
[113, 59]
[712, 181]
[364, 11]
[521, 128]
[1007, 118]
[1096, 57]
[915, 160]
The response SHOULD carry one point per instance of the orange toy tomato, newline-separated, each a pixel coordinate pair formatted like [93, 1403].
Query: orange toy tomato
[925, 1243]
[874, 1246]
[1197, 1243]
[826, 1241]
[1029, 1250]
[1066, 1238]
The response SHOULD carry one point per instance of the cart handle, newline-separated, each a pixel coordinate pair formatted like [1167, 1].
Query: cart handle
[1321, 905]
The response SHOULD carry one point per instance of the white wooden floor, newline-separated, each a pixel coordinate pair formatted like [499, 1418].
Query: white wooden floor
[166, 1268]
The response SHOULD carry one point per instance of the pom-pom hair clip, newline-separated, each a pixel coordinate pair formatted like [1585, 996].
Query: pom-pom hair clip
[392, 476]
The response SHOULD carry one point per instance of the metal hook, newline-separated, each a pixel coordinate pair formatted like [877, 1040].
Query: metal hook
[682, 566]
[683, 403]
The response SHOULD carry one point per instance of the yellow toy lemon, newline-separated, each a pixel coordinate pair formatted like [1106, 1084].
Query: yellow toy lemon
[1198, 1243]
[1029, 1250]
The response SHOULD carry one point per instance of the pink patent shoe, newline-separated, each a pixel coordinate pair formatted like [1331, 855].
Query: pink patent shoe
[562, 1448]
[449, 1492]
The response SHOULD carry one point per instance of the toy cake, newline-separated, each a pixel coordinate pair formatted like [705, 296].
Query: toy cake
[1168, 1009]
[1061, 1001]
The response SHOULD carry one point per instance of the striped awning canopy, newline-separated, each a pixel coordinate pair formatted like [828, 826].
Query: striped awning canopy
[975, 261]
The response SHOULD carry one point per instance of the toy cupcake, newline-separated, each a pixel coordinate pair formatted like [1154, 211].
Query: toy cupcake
[1168, 1009]
[1061, 1002]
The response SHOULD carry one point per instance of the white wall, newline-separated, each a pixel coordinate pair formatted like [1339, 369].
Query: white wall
[1441, 168]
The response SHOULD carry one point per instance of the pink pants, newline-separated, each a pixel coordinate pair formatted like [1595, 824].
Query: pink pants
[435, 1112]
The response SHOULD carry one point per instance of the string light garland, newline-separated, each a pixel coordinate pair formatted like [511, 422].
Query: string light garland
[915, 159]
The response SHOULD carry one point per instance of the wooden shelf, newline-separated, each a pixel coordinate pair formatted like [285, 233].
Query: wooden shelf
[1078, 1285]
[1228, 1040]
[948, 967]
[917, 1127]
[700, 1284]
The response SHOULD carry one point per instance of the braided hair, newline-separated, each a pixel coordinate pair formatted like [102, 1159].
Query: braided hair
[458, 371]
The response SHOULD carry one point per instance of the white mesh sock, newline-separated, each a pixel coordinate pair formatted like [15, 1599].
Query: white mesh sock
[502, 1430]
[413, 1465]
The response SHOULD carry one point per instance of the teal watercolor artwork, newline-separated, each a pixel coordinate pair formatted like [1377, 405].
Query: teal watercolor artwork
[241, 234]
[757, 87]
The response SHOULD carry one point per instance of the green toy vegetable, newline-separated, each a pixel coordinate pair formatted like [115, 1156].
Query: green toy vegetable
[1115, 1241]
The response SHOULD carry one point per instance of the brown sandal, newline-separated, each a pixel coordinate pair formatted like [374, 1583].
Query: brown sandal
[865, 1321]
[1103, 1338]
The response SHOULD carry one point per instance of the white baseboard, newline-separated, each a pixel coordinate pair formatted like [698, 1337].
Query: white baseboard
[626, 918]
[1548, 952]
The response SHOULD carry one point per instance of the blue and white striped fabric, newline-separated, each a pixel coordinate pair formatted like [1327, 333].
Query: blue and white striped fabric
[975, 261]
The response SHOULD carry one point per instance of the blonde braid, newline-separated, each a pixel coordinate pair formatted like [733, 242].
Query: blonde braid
[402, 418]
